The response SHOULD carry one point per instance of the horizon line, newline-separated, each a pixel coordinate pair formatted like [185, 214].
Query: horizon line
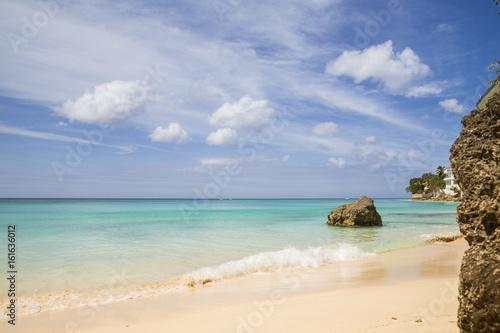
[219, 199]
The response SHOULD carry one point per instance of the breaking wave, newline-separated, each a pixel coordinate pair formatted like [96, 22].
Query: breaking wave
[442, 238]
[263, 262]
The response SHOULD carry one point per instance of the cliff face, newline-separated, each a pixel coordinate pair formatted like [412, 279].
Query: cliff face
[475, 160]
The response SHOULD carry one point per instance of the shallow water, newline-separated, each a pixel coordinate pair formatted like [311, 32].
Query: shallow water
[76, 249]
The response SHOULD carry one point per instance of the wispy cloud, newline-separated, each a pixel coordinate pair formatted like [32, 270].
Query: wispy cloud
[429, 89]
[226, 80]
[61, 138]
[376, 159]
[215, 161]
[445, 27]
[349, 101]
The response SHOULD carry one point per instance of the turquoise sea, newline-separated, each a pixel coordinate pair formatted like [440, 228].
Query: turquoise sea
[82, 252]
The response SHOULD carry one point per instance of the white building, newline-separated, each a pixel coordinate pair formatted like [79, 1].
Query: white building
[451, 183]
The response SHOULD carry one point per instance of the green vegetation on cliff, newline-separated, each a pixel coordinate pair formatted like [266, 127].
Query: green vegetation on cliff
[495, 67]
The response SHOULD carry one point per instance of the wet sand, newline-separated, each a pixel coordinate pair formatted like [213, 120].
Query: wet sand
[412, 290]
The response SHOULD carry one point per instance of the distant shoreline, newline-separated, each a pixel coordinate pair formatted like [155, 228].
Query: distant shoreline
[438, 200]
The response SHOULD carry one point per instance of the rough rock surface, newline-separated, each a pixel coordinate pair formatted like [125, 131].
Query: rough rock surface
[475, 160]
[361, 212]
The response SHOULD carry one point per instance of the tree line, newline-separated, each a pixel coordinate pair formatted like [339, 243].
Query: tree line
[428, 182]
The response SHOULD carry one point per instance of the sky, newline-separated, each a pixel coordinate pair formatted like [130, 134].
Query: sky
[235, 98]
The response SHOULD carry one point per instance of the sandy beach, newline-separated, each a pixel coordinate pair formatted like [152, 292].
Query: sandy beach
[236, 166]
[410, 290]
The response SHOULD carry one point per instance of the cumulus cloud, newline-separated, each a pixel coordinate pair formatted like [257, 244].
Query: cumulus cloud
[380, 63]
[337, 162]
[328, 129]
[112, 102]
[452, 105]
[243, 114]
[223, 137]
[174, 132]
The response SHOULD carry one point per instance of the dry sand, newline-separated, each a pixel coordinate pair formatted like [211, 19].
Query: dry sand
[413, 290]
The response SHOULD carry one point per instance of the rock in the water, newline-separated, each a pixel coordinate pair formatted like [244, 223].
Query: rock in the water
[361, 213]
[475, 160]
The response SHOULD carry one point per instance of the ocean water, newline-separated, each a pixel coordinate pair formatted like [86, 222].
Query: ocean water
[82, 252]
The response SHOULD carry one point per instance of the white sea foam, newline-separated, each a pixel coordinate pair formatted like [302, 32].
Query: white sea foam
[442, 238]
[264, 262]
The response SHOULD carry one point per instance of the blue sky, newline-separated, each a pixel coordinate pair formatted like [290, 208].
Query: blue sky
[235, 98]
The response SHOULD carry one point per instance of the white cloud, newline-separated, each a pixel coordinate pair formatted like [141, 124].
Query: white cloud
[286, 158]
[223, 137]
[380, 63]
[345, 99]
[337, 163]
[61, 124]
[370, 139]
[452, 105]
[244, 114]
[216, 161]
[62, 138]
[174, 132]
[391, 154]
[415, 155]
[425, 90]
[328, 129]
[111, 102]
[376, 159]
[446, 27]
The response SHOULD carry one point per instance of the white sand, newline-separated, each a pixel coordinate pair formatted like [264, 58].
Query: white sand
[411, 290]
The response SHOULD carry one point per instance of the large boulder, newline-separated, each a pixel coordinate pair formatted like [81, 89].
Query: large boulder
[361, 213]
[475, 160]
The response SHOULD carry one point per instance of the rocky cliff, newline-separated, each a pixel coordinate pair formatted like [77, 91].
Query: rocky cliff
[475, 160]
[361, 213]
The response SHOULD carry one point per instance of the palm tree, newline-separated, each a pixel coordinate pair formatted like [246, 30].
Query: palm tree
[421, 184]
[440, 172]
